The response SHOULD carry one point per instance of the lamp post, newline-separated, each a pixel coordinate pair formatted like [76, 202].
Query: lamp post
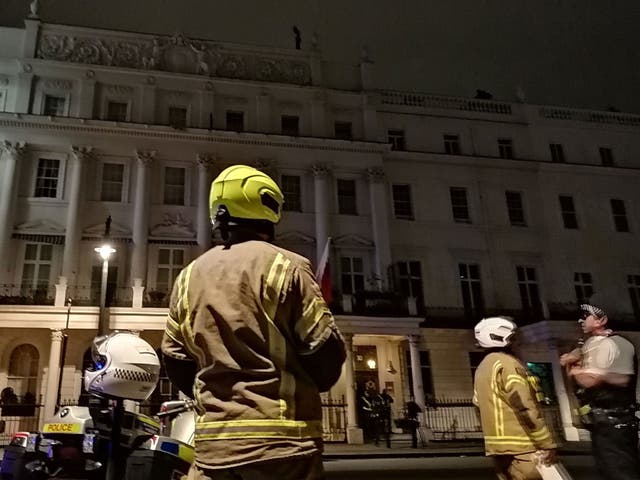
[63, 356]
[105, 252]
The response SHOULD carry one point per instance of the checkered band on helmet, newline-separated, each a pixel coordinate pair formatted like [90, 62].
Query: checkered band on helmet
[132, 375]
[593, 310]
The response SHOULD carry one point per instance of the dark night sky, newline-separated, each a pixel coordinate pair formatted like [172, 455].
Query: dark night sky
[567, 52]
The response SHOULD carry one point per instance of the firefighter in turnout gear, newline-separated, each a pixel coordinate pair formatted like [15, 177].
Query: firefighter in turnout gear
[251, 339]
[514, 429]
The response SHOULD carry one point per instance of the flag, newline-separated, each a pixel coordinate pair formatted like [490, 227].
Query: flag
[323, 274]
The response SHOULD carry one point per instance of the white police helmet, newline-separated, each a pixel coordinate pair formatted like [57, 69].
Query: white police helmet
[124, 366]
[495, 332]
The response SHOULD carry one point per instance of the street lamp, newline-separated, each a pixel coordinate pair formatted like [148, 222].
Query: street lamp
[105, 252]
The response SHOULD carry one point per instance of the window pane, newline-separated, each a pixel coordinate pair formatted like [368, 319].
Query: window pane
[31, 251]
[163, 256]
[43, 274]
[45, 252]
[178, 257]
[357, 264]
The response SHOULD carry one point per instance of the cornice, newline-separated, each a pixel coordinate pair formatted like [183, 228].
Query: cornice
[13, 120]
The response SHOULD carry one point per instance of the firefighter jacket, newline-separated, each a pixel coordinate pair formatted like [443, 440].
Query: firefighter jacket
[247, 315]
[512, 422]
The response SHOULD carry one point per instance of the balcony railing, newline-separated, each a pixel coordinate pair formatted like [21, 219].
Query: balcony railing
[376, 304]
[11, 294]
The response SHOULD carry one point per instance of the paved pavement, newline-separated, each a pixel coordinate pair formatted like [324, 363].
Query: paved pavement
[402, 448]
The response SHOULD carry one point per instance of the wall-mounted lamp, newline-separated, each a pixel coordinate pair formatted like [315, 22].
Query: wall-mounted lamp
[371, 363]
[390, 368]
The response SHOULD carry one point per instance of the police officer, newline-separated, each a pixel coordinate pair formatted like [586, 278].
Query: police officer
[605, 370]
[250, 337]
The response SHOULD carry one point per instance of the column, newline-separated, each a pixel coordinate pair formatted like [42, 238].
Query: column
[321, 175]
[370, 102]
[80, 156]
[205, 163]
[379, 224]
[263, 113]
[354, 432]
[87, 94]
[318, 105]
[207, 105]
[23, 92]
[12, 153]
[147, 112]
[53, 377]
[141, 217]
[416, 371]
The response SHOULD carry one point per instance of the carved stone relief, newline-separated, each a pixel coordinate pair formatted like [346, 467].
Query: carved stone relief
[173, 226]
[174, 54]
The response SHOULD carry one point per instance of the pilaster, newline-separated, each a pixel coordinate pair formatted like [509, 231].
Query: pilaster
[205, 166]
[12, 152]
[80, 156]
[322, 175]
[379, 223]
[141, 216]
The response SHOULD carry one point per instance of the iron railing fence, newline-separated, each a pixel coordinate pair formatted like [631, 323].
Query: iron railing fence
[18, 418]
[459, 419]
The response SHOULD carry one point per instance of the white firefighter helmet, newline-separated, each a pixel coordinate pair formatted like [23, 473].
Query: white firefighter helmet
[124, 366]
[495, 332]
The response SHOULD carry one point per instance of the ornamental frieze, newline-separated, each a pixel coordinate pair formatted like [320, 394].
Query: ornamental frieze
[177, 54]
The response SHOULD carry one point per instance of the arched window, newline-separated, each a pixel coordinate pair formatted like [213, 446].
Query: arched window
[23, 372]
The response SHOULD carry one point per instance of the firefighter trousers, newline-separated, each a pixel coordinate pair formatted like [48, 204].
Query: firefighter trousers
[308, 467]
[516, 467]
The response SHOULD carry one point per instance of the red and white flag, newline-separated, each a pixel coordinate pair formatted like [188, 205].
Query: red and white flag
[323, 274]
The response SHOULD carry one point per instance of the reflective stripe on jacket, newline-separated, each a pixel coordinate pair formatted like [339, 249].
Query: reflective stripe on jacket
[246, 314]
[512, 422]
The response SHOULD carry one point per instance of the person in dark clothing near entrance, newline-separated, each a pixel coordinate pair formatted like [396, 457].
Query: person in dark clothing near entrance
[412, 410]
[605, 371]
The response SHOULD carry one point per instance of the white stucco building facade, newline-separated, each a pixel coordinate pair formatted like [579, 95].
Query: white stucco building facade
[441, 210]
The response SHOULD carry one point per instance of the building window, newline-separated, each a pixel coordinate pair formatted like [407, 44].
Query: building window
[342, 131]
[471, 288]
[117, 111]
[47, 178]
[178, 117]
[459, 205]
[351, 275]
[427, 377]
[452, 144]
[583, 285]
[54, 106]
[174, 183]
[170, 262]
[396, 139]
[409, 279]
[606, 156]
[347, 197]
[515, 208]
[557, 152]
[402, 206]
[619, 212]
[36, 270]
[633, 283]
[290, 125]
[23, 374]
[112, 181]
[529, 291]
[505, 148]
[235, 121]
[568, 211]
[292, 193]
